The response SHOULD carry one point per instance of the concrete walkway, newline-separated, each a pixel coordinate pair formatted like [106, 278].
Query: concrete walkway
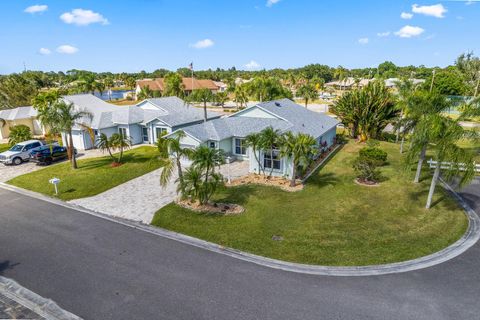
[140, 198]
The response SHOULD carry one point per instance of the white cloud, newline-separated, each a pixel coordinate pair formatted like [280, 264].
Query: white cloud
[81, 17]
[409, 32]
[202, 44]
[67, 49]
[272, 2]
[406, 15]
[36, 8]
[436, 10]
[44, 51]
[383, 34]
[252, 65]
[363, 40]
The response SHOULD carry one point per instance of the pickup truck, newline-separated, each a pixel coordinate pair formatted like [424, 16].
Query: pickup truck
[19, 152]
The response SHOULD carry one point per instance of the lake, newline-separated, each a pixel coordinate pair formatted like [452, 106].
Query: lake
[116, 94]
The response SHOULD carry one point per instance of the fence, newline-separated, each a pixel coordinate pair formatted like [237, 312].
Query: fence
[449, 165]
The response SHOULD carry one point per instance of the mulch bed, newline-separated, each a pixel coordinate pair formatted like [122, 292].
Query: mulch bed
[366, 183]
[226, 209]
[279, 182]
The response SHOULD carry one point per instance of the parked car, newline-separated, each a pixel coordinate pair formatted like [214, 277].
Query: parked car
[48, 153]
[19, 152]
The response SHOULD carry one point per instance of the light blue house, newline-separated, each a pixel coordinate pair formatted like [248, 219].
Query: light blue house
[142, 123]
[228, 133]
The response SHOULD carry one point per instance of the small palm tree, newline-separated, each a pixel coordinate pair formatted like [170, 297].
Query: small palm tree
[308, 93]
[300, 148]
[254, 141]
[120, 142]
[270, 138]
[104, 144]
[241, 96]
[19, 133]
[207, 159]
[145, 93]
[221, 98]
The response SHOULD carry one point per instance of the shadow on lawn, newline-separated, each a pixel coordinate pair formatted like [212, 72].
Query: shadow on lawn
[237, 195]
[323, 179]
[7, 265]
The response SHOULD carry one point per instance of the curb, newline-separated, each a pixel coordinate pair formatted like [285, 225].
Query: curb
[471, 236]
[45, 308]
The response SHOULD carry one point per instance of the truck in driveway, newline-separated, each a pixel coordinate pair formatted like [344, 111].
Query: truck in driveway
[19, 152]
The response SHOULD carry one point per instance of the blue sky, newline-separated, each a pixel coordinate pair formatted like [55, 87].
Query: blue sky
[134, 35]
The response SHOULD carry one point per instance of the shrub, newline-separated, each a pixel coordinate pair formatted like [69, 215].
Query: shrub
[366, 170]
[19, 134]
[373, 154]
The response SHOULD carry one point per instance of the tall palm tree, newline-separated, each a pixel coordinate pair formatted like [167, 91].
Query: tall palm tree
[300, 148]
[171, 154]
[308, 92]
[405, 89]
[270, 139]
[241, 96]
[254, 141]
[109, 83]
[444, 135]
[421, 105]
[69, 117]
[204, 96]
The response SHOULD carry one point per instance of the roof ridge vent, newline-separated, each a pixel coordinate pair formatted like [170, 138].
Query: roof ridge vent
[278, 104]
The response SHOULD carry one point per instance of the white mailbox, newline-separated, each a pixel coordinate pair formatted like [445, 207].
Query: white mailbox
[55, 182]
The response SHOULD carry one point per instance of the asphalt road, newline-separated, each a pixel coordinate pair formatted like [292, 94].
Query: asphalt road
[99, 269]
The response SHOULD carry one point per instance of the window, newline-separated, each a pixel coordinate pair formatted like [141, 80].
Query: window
[123, 131]
[271, 161]
[145, 134]
[32, 145]
[160, 132]
[212, 145]
[240, 147]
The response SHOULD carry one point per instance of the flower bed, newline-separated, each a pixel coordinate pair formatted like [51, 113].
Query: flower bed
[280, 182]
[226, 209]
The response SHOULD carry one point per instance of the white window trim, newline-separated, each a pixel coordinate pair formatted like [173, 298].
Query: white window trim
[235, 147]
[280, 159]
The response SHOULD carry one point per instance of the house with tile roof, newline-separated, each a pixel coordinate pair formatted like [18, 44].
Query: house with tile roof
[189, 85]
[142, 123]
[17, 116]
[229, 133]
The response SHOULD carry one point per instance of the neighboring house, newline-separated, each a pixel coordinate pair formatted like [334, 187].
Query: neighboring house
[228, 133]
[142, 123]
[21, 115]
[350, 83]
[189, 85]
[222, 87]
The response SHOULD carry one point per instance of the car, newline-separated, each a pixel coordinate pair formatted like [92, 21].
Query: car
[47, 154]
[19, 152]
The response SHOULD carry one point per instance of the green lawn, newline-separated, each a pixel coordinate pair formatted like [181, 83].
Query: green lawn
[93, 176]
[332, 221]
[4, 147]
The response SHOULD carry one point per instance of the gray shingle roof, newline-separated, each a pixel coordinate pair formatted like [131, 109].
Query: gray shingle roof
[291, 117]
[302, 119]
[18, 113]
[178, 112]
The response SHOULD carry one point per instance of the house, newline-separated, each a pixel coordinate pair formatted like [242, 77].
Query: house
[228, 133]
[348, 83]
[142, 123]
[21, 115]
[189, 84]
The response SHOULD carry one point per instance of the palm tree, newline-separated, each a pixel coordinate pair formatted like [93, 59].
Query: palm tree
[405, 89]
[307, 92]
[420, 106]
[120, 142]
[202, 95]
[221, 98]
[196, 187]
[145, 93]
[254, 141]
[241, 95]
[300, 148]
[445, 134]
[270, 138]
[207, 159]
[69, 117]
[171, 154]
[104, 144]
